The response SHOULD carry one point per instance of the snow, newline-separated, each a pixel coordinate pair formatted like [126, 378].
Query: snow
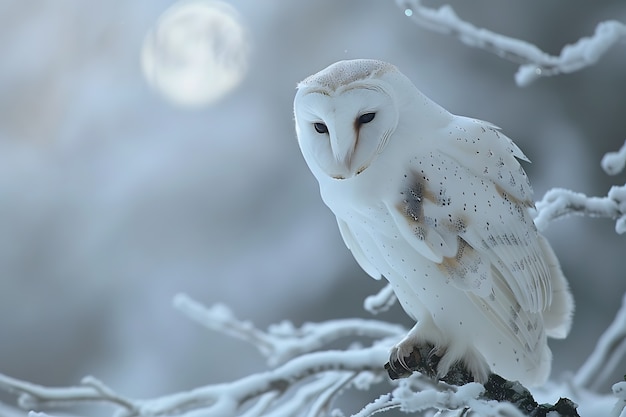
[559, 202]
[619, 390]
[381, 301]
[613, 162]
[587, 50]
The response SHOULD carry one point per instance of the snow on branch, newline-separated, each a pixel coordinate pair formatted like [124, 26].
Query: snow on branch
[607, 355]
[284, 341]
[380, 302]
[309, 383]
[328, 371]
[558, 202]
[535, 62]
[31, 395]
[613, 162]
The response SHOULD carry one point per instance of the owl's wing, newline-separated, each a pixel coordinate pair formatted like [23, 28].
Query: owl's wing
[485, 235]
[485, 152]
[356, 250]
[508, 236]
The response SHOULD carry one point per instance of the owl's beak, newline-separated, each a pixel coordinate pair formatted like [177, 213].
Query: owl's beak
[343, 144]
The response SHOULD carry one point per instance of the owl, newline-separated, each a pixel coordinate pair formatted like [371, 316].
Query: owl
[440, 206]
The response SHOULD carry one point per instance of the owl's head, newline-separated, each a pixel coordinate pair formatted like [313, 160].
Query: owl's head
[346, 114]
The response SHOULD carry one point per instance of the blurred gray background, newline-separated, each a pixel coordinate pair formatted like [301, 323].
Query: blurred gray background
[112, 199]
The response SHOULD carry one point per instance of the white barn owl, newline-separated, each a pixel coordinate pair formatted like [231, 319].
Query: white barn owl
[437, 204]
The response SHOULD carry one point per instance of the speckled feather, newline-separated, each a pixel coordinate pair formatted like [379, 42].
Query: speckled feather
[438, 205]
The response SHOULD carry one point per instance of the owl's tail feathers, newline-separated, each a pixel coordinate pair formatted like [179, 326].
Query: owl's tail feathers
[558, 317]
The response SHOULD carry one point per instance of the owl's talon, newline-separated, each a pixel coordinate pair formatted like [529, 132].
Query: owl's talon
[422, 358]
[425, 360]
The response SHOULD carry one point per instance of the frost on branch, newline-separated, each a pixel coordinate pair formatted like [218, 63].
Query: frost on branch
[534, 62]
[312, 379]
[284, 341]
[558, 202]
[613, 162]
[381, 301]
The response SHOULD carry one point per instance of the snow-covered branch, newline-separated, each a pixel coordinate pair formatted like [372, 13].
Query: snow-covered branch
[535, 63]
[329, 372]
[558, 202]
[276, 392]
[32, 396]
[613, 162]
[380, 302]
[608, 353]
[284, 341]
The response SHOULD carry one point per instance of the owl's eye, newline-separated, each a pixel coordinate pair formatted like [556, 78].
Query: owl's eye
[320, 127]
[366, 118]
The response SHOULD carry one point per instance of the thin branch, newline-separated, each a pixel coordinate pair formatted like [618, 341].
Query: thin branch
[380, 302]
[559, 202]
[609, 349]
[321, 406]
[284, 341]
[224, 399]
[381, 404]
[220, 318]
[535, 62]
[262, 405]
[34, 395]
[218, 400]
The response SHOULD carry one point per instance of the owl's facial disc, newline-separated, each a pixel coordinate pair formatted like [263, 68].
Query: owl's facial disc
[342, 133]
[344, 143]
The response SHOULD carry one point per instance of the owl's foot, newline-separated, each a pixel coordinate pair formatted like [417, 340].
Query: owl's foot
[421, 358]
[424, 358]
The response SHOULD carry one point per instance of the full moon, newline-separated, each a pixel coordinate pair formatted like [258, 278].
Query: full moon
[196, 53]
